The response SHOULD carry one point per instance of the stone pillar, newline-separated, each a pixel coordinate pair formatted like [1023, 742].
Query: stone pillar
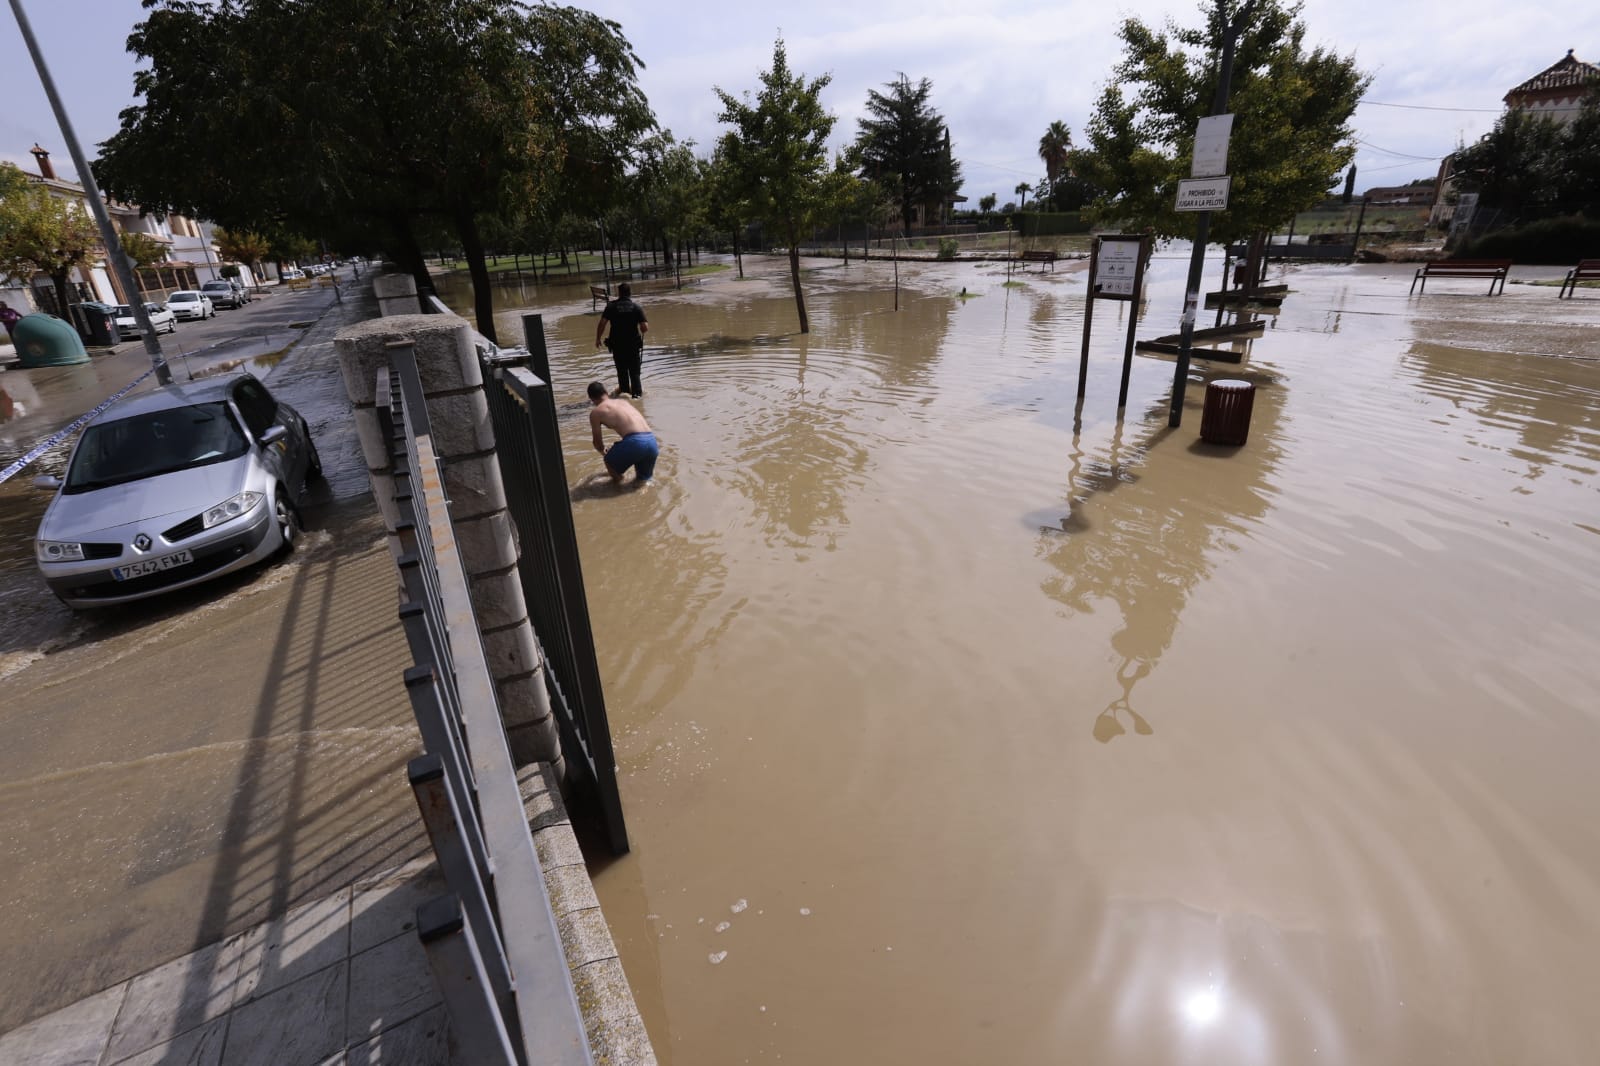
[397, 295]
[447, 363]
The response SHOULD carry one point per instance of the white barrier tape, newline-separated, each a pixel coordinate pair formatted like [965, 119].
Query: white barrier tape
[56, 438]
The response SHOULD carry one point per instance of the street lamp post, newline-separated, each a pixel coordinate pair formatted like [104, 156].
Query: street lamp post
[1197, 259]
[108, 233]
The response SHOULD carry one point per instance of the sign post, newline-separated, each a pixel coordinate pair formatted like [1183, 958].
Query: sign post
[1116, 272]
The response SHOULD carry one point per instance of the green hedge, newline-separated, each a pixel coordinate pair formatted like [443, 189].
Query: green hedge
[1558, 241]
[1049, 223]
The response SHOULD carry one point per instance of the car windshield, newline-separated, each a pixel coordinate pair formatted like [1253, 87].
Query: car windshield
[124, 311]
[159, 442]
[216, 285]
[181, 298]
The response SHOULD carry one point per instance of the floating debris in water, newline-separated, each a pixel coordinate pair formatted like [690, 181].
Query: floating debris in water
[716, 957]
[723, 927]
[805, 912]
[739, 906]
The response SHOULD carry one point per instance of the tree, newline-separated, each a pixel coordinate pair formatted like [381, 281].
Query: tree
[142, 248]
[1530, 166]
[905, 138]
[1291, 110]
[986, 202]
[246, 246]
[42, 234]
[777, 153]
[1055, 148]
[377, 116]
[1023, 189]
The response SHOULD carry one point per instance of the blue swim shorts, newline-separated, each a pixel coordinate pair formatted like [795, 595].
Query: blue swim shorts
[638, 450]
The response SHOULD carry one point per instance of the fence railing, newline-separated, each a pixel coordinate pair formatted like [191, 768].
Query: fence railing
[527, 436]
[492, 942]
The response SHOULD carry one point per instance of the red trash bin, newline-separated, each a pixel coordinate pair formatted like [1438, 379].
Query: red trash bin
[1226, 419]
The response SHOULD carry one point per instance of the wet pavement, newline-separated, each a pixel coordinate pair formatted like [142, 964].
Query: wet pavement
[954, 725]
[180, 770]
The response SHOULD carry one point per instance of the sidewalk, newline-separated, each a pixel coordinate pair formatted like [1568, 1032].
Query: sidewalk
[316, 823]
[342, 981]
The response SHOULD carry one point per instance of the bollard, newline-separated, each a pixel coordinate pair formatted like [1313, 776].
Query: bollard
[1226, 418]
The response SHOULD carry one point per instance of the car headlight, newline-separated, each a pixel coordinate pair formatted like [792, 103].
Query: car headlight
[56, 551]
[243, 503]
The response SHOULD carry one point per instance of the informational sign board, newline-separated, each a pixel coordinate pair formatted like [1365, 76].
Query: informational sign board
[1115, 268]
[1211, 146]
[1203, 194]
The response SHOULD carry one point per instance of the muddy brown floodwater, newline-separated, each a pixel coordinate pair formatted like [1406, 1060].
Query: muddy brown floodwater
[950, 732]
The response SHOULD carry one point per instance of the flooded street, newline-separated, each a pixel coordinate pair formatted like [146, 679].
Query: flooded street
[951, 731]
[181, 769]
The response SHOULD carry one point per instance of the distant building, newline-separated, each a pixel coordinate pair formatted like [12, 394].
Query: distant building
[1400, 194]
[1557, 92]
[189, 258]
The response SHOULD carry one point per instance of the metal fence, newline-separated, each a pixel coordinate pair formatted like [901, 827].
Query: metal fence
[527, 437]
[492, 941]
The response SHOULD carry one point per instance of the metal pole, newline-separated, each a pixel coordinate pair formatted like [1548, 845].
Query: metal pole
[1088, 317]
[1191, 299]
[1133, 320]
[108, 233]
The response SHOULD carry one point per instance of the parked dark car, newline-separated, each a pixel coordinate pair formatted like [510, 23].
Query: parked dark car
[222, 294]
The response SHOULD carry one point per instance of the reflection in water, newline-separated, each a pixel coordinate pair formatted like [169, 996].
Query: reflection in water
[1146, 550]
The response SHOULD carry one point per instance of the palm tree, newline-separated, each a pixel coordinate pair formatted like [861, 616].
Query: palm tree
[1023, 189]
[1054, 148]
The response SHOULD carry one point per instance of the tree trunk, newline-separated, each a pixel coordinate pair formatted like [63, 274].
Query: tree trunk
[60, 281]
[794, 276]
[407, 250]
[482, 294]
[738, 257]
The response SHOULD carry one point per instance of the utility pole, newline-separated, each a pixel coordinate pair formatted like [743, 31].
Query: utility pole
[108, 232]
[1191, 299]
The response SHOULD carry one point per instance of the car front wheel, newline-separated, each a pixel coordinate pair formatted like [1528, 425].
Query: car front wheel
[288, 519]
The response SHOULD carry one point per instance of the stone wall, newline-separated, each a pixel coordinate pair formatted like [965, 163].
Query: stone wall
[447, 363]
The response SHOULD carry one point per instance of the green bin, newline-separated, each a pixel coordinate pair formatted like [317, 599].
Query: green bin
[45, 340]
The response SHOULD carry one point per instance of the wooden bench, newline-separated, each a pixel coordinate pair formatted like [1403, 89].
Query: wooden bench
[1493, 269]
[1586, 270]
[1043, 256]
[598, 294]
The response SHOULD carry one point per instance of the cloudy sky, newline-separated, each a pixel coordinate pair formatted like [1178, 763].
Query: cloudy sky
[1001, 71]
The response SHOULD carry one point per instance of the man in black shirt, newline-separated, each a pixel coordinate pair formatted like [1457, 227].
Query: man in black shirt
[626, 342]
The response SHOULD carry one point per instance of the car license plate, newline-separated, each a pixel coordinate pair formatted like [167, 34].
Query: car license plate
[152, 566]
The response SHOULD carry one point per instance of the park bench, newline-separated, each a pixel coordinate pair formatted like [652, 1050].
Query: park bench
[598, 294]
[1493, 269]
[1041, 256]
[1586, 270]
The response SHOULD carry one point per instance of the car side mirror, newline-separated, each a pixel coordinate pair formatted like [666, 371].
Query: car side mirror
[273, 435]
[47, 481]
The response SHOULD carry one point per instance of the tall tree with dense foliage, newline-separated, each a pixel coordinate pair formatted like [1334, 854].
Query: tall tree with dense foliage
[1291, 133]
[43, 234]
[394, 113]
[904, 139]
[777, 155]
[1529, 166]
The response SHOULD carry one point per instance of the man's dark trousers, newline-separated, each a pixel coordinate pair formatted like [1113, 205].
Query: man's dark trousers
[628, 361]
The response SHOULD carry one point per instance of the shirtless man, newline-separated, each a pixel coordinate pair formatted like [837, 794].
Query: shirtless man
[637, 448]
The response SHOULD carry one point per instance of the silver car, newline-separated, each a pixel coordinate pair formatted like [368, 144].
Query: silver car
[172, 487]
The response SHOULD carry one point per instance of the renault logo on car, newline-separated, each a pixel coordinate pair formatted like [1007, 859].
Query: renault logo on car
[142, 542]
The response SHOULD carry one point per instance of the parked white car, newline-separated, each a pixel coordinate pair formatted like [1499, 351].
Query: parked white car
[190, 303]
[291, 274]
[163, 320]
